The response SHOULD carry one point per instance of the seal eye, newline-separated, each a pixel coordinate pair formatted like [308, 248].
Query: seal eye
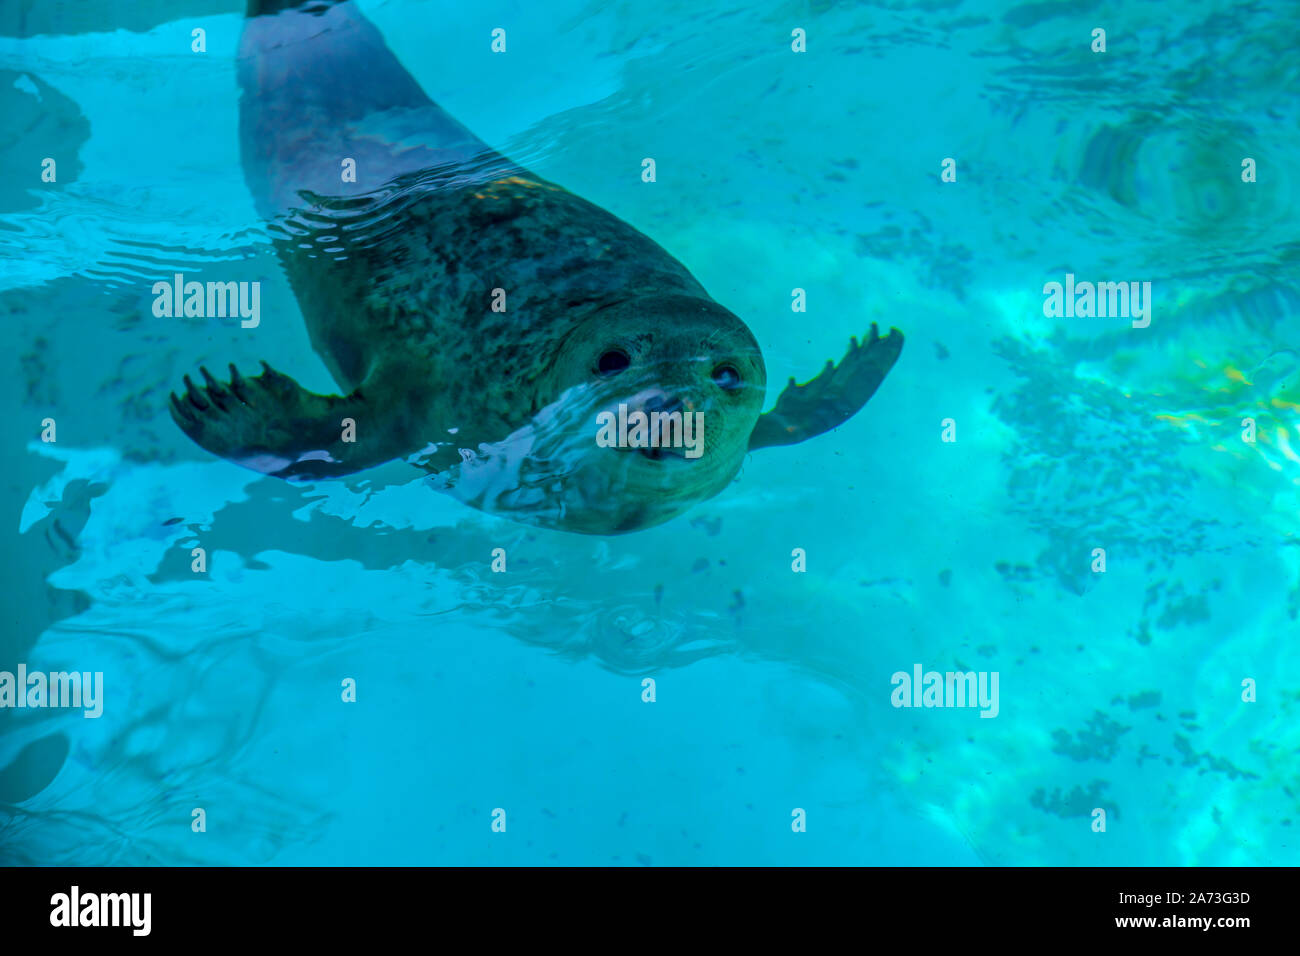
[726, 377]
[613, 362]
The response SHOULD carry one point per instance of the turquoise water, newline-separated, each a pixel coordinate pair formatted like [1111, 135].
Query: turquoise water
[1120, 690]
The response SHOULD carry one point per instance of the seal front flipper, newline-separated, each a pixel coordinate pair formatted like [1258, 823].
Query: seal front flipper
[829, 400]
[271, 424]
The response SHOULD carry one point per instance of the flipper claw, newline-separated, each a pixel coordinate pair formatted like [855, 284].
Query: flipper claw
[179, 410]
[215, 393]
[238, 386]
[195, 396]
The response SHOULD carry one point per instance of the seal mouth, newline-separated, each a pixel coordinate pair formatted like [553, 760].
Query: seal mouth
[663, 454]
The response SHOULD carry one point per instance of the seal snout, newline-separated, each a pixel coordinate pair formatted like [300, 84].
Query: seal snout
[661, 402]
[654, 400]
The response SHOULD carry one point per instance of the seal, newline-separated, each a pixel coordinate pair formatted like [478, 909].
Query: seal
[478, 318]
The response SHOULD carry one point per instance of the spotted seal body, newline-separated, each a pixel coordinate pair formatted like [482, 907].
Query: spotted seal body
[477, 318]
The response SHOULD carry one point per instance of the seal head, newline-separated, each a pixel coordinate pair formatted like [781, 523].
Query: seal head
[684, 363]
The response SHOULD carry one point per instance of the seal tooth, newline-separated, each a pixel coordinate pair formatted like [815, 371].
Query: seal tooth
[215, 392]
[195, 397]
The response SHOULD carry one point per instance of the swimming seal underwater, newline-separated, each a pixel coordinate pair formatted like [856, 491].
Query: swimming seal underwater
[477, 317]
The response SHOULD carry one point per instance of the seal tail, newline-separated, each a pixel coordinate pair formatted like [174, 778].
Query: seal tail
[262, 8]
[327, 108]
